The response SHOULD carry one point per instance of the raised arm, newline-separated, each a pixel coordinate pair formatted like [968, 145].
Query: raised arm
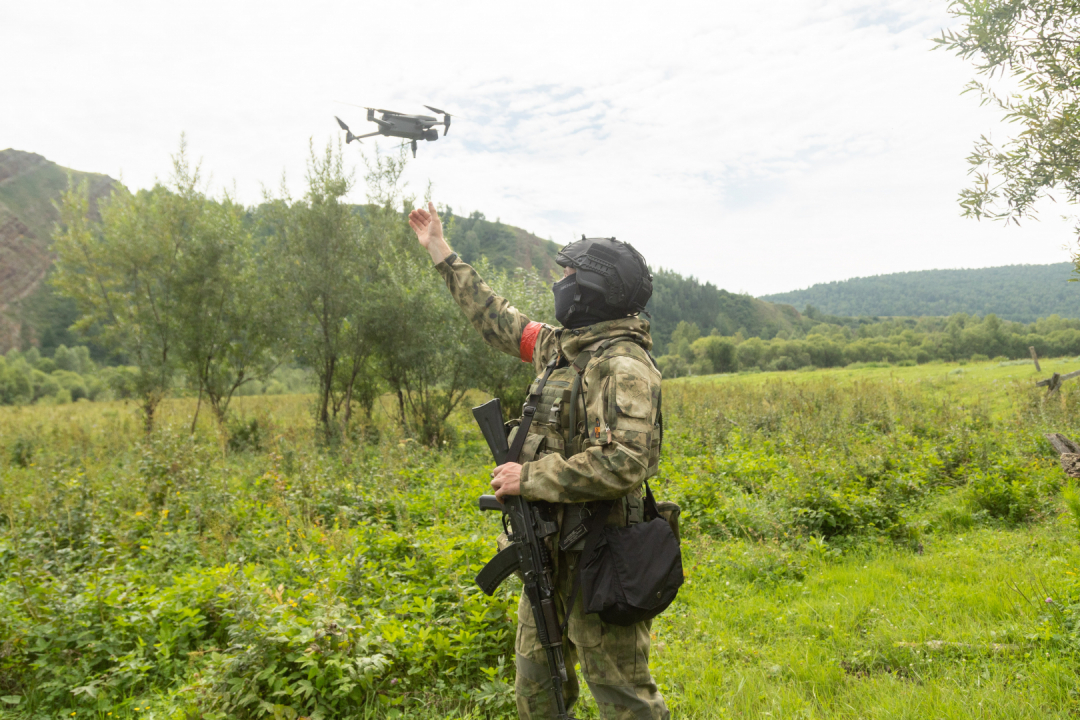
[498, 322]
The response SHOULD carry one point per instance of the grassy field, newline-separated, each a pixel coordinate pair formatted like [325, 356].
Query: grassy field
[875, 542]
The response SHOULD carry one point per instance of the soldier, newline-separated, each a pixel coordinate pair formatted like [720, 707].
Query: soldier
[595, 436]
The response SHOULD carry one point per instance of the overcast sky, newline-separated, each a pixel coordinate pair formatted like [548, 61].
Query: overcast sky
[761, 146]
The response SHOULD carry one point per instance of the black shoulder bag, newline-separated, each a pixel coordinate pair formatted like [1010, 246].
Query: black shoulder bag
[629, 574]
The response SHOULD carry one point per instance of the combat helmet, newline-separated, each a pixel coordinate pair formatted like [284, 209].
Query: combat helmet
[614, 270]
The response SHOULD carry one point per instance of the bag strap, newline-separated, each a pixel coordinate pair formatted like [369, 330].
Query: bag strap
[528, 412]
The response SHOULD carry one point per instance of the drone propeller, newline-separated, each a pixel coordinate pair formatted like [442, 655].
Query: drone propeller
[349, 137]
[446, 118]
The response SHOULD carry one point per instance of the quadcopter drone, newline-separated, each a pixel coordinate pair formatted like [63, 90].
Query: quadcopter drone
[395, 124]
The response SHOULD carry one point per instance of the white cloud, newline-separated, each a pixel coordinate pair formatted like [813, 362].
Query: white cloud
[760, 146]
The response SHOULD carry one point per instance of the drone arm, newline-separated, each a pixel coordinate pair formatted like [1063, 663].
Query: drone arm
[357, 137]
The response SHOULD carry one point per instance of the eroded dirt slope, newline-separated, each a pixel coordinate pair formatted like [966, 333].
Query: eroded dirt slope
[29, 185]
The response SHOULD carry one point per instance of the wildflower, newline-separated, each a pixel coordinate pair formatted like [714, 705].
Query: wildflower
[1050, 600]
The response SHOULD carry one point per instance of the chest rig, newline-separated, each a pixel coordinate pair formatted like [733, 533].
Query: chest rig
[561, 423]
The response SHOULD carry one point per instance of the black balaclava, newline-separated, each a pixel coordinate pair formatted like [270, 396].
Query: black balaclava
[576, 306]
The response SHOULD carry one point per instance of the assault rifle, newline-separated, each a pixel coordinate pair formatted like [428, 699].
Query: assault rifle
[527, 551]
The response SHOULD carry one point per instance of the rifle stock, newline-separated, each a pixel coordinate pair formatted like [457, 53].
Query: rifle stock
[489, 418]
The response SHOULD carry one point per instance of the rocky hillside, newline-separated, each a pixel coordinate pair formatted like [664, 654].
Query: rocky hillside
[28, 186]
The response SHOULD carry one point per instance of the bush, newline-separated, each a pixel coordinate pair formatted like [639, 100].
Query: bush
[1004, 493]
[245, 436]
[672, 366]
[22, 452]
[715, 354]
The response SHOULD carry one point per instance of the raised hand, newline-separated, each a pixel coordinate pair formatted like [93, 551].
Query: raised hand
[428, 229]
[426, 224]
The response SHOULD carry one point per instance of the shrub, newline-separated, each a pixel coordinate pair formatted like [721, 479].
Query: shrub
[245, 436]
[22, 452]
[716, 354]
[1001, 492]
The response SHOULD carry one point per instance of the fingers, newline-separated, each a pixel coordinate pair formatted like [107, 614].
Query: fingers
[419, 221]
[431, 209]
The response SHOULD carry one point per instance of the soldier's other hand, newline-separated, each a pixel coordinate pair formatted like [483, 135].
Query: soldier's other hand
[426, 224]
[506, 480]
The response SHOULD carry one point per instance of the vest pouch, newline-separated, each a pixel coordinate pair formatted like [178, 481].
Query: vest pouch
[531, 448]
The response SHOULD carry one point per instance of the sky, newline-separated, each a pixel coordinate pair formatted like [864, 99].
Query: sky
[763, 147]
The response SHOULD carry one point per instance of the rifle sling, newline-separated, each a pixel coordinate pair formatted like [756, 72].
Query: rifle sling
[529, 410]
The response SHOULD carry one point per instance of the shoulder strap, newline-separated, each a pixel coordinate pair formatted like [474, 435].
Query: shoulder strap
[527, 414]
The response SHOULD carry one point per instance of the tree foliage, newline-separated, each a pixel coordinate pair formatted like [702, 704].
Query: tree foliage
[320, 261]
[904, 341]
[166, 278]
[1023, 293]
[1025, 53]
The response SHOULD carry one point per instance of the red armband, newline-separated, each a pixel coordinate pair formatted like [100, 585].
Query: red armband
[528, 340]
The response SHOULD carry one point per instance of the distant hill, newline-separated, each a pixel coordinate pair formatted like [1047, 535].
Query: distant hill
[1023, 293]
[675, 298]
[28, 186]
[505, 246]
[31, 314]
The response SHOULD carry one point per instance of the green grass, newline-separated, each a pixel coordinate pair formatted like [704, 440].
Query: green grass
[859, 637]
[859, 543]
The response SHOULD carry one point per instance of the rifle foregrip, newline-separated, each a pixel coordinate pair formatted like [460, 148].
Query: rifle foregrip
[488, 502]
[499, 568]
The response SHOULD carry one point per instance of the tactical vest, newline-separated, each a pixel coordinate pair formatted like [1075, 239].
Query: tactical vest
[560, 424]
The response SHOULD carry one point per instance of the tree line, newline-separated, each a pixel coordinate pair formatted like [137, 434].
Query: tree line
[904, 341]
[203, 293]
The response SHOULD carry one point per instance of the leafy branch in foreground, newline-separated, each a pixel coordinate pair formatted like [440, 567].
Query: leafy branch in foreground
[1026, 51]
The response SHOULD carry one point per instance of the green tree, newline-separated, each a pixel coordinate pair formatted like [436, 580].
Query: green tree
[168, 277]
[320, 263]
[427, 351]
[227, 338]
[123, 274]
[714, 354]
[1033, 43]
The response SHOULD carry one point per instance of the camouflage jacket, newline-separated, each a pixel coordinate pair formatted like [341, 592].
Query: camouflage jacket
[615, 446]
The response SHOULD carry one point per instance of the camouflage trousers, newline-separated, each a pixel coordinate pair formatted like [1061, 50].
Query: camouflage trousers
[614, 661]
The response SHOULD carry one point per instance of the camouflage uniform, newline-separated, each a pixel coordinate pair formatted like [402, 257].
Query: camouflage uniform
[611, 452]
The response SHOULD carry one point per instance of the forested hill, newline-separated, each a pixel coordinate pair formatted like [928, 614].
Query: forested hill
[505, 246]
[1022, 293]
[31, 313]
[675, 298]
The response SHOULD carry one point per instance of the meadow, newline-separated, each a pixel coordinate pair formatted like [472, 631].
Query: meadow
[864, 542]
